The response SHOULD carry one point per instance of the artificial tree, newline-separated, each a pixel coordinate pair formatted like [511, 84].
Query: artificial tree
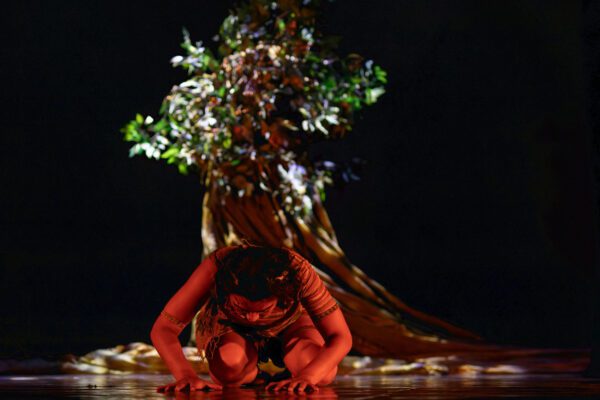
[245, 120]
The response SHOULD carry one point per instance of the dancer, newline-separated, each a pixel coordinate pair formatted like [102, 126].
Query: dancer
[256, 303]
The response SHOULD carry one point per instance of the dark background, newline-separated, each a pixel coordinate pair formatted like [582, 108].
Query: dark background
[476, 204]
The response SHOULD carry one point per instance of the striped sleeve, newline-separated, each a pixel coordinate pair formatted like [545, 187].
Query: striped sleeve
[314, 296]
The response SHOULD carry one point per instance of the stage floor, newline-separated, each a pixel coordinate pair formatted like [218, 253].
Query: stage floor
[345, 387]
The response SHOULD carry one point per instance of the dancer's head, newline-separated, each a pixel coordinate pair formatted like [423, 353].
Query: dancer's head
[256, 273]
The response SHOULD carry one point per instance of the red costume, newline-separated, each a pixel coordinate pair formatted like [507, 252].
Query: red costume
[313, 299]
[310, 351]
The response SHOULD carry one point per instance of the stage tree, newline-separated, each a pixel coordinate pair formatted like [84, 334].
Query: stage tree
[245, 119]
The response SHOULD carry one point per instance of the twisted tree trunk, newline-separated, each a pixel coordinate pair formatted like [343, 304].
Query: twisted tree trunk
[382, 325]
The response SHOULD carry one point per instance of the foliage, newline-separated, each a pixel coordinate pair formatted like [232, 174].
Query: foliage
[275, 87]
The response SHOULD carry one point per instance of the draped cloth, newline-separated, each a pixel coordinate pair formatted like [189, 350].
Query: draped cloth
[383, 327]
[381, 324]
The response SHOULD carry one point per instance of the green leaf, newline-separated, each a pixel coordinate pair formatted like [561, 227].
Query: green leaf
[280, 24]
[187, 43]
[129, 133]
[235, 162]
[183, 168]
[160, 125]
[330, 83]
[373, 94]
[170, 152]
[313, 57]
[163, 107]
[381, 74]
[139, 118]
[135, 150]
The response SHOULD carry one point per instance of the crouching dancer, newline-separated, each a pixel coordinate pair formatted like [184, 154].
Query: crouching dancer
[255, 303]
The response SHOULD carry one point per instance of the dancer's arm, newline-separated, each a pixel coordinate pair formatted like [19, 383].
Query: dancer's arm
[338, 342]
[330, 322]
[176, 315]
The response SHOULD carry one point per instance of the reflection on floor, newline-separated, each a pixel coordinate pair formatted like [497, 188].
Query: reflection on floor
[142, 358]
[140, 386]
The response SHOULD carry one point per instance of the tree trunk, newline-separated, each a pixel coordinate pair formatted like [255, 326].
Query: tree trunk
[381, 324]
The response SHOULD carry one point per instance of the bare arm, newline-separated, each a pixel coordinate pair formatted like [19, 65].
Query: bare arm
[338, 342]
[328, 319]
[177, 314]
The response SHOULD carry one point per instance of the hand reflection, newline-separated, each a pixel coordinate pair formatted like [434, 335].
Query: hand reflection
[226, 393]
[237, 393]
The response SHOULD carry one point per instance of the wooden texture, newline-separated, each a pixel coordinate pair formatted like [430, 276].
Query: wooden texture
[382, 325]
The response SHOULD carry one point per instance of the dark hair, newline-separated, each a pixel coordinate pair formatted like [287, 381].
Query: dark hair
[257, 272]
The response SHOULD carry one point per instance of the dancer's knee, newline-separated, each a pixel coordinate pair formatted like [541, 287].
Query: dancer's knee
[233, 363]
[301, 353]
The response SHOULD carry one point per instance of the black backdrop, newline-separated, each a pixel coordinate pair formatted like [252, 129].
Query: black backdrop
[475, 204]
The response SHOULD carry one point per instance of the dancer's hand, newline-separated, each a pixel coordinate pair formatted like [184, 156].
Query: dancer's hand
[188, 384]
[297, 384]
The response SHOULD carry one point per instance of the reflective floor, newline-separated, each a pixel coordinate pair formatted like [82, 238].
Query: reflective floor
[345, 387]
